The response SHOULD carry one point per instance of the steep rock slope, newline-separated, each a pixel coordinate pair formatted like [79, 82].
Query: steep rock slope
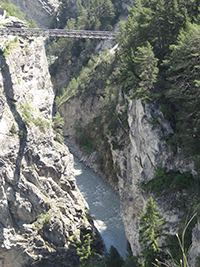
[42, 211]
[38, 10]
[137, 162]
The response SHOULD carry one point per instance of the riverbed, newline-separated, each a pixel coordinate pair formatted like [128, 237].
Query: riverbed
[104, 205]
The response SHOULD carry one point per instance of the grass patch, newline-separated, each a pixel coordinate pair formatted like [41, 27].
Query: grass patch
[41, 220]
[28, 114]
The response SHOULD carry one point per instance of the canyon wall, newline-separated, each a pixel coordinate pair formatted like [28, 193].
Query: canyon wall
[144, 149]
[42, 211]
[38, 10]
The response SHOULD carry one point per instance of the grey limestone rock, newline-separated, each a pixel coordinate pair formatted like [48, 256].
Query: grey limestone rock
[38, 10]
[13, 22]
[40, 205]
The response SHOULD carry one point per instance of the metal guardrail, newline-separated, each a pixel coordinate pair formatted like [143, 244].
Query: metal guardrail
[57, 33]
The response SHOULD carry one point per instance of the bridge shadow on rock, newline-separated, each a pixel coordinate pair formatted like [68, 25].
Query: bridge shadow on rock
[12, 98]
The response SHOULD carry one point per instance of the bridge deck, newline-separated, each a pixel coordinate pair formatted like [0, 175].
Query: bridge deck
[57, 33]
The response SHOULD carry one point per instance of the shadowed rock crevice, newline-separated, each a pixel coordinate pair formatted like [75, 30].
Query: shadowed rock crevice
[11, 99]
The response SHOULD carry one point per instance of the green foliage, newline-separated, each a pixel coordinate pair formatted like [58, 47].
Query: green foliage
[58, 121]
[85, 142]
[41, 220]
[140, 71]
[9, 46]
[167, 68]
[113, 258]
[151, 228]
[87, 84]
[90, 15]
[131, 261]
[11, 9]
[13, 129]
[157, 22]
[88, 256]
[184, 77]
[197, 263]
[28, 115]
[41, 123]
[179, 255]
[165, 182]
[21, 134]
[19, 81]
[32, 24]
[57, 124]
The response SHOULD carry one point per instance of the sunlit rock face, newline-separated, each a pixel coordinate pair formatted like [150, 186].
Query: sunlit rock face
[38, 10]
[42, 211]
[147, 149]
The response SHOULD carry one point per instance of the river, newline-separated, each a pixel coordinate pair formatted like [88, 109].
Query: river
[104, 205]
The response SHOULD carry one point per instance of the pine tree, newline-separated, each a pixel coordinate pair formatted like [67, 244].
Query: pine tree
[146, 70]
[158, 22]
[151, 228]
[113, 258]
[140, 71]
[184, 89]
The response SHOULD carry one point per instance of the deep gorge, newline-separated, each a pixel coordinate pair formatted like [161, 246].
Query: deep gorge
[140, 131]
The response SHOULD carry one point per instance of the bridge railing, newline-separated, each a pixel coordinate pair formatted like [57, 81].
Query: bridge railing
[57, 33]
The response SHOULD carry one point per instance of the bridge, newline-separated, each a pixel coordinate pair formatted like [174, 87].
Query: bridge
[28, 32]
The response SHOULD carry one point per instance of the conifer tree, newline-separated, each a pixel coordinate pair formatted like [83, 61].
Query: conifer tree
[158, 22]
[140, 71]
[151, 228]
[146, 70]
[112, 259]
[184, 89]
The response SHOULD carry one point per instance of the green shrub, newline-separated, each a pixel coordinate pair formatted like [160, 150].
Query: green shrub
[57, 124]
[21, 134]
[13, 129]
[167, 182]
[42, 219]
[27, 113]
[32, 24]
[11, 9]
[85, 143]
[112, 259]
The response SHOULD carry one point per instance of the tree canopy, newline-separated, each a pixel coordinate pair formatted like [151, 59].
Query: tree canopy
[159, 54]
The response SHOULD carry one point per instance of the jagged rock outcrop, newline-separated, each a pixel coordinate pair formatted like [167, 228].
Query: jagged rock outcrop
[13, 22]
[42, 211]
[81, 110]
[38, 10]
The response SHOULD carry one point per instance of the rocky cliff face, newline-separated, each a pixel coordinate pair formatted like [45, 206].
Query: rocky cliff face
[38, 10]
[135, 162]
[42, 211]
